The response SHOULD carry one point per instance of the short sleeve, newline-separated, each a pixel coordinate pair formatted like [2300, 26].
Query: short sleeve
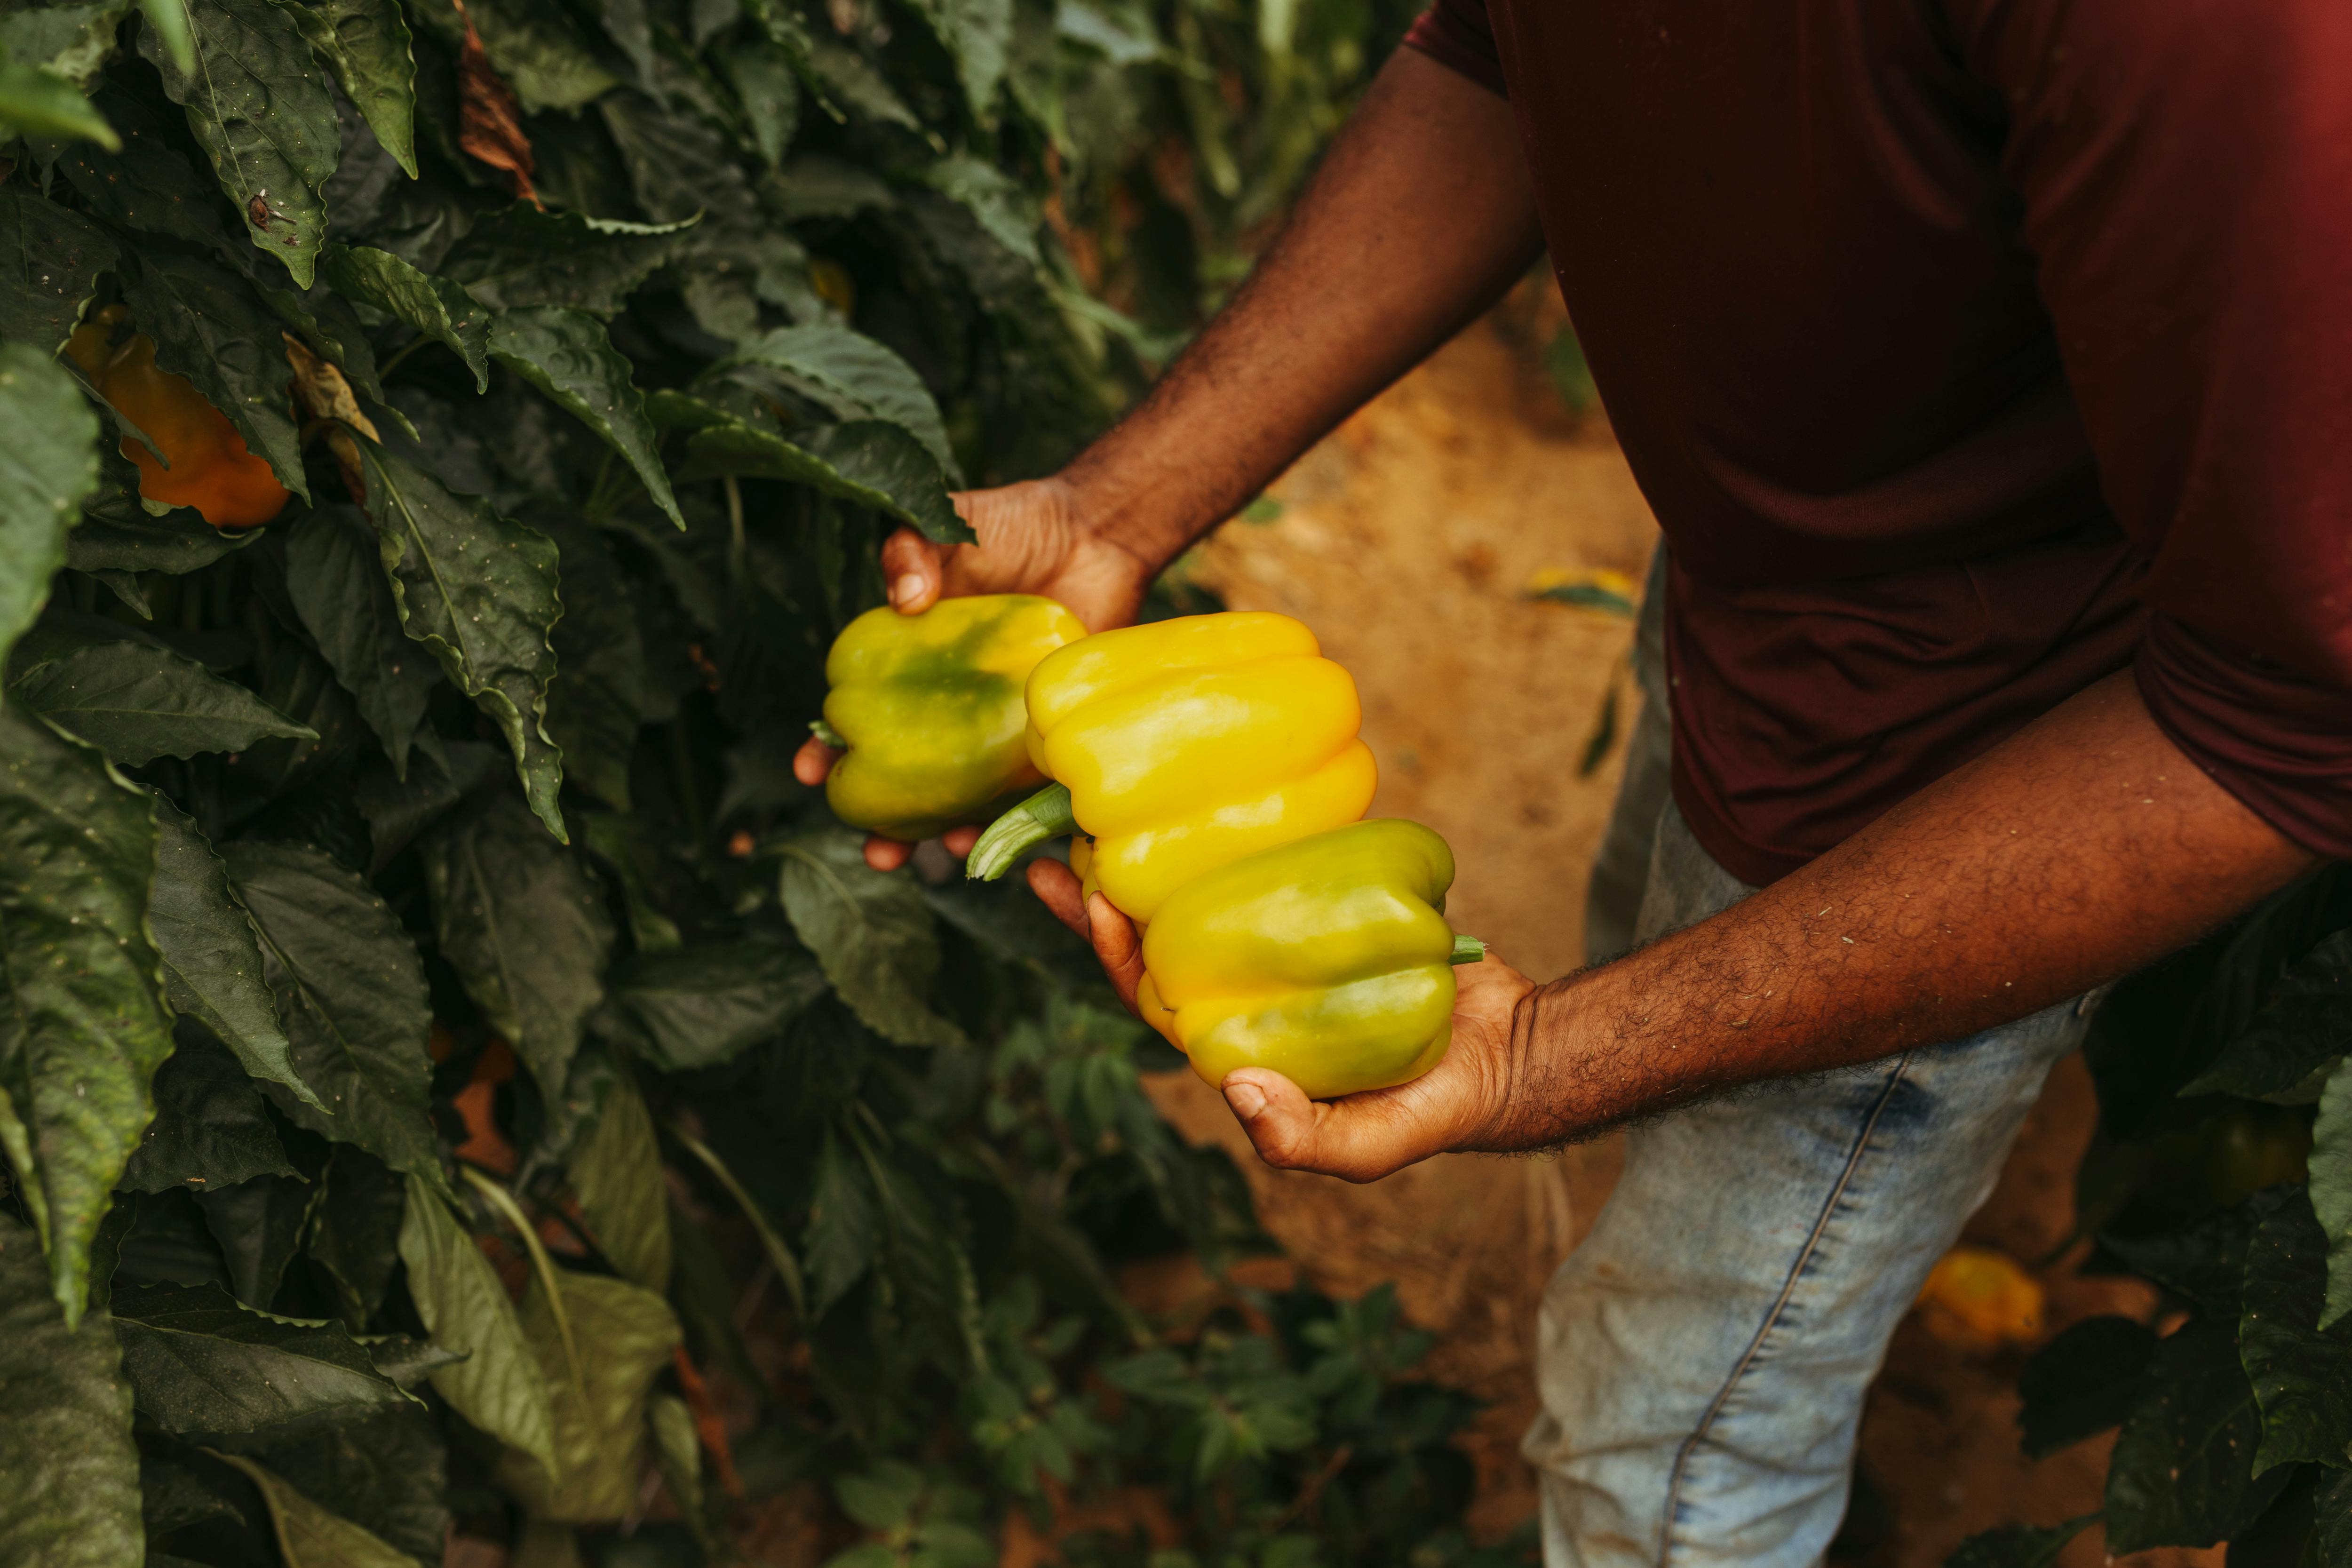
[1457, 34]
[2184, 170]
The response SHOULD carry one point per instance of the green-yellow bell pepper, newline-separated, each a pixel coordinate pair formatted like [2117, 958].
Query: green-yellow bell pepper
[1326, 959]
[929, 708]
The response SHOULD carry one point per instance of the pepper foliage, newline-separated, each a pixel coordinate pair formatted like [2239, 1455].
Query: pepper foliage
[453, 1081]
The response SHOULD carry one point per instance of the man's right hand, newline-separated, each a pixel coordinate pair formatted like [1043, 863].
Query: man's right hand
[1035, 538]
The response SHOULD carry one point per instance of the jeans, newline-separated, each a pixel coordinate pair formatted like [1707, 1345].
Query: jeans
[1703, 1356]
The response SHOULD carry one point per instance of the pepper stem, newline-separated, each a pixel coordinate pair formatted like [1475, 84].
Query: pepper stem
[1045, 815]
[1466, 949]
[828, 734]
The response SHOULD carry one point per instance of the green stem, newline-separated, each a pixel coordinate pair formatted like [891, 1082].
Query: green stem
[1466, 949]
[1045, 815]
[828, 734]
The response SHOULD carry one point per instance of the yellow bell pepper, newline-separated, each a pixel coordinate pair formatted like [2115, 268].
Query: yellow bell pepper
[1327, 960]
[1182, 745]
[1978, 1299]
[929, 709]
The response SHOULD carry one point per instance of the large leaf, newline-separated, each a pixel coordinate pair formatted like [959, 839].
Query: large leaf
[2284, 1054]
[50, 260]
[212, 955]
[2331, 1186]
[355, 1229]
[71, 41]
[524, 255]
[845, 1229]
[210, 1130]
[595, 704]
[567, 355]
[147, 184]
[701, 1005]
[851, 375]
[385, 1472]
[498, 1387]
[480, 591]
[2302, 1376]
[309, 1535]
[334, 576]
[367, 44]
[441, 309]
[350, 995]
[2181, 1472]
[617, 1174]
[136, 702]
[258, 1225]
[83, 1020]
[116, 533]
[868, 461]
[627, 1335]
[978, 34]
[208, 326]
[264, 115]
[48, 466]
[870, 929]
[525, 926]
[203, 1365]
[72, 1498]
[37, 102]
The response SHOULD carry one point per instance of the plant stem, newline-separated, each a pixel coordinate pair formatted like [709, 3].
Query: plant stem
[1045, 815]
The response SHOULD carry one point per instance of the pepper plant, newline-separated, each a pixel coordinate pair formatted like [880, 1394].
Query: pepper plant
[455, 1087]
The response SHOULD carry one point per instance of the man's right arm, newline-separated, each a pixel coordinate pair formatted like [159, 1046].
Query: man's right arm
[1420, 218]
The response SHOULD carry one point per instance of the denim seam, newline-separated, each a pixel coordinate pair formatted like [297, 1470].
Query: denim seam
[1773, 1318]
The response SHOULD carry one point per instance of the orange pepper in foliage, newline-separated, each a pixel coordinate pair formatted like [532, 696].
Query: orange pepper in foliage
[210, 468]
[1979, 1299]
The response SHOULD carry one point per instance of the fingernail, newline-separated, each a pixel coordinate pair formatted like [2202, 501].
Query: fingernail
[903, 591]
[1246, 1098]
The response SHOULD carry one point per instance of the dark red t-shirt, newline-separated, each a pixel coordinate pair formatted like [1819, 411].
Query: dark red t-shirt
[1967, 351]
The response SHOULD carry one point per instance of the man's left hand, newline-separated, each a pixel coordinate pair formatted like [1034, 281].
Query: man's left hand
[1361, 1137]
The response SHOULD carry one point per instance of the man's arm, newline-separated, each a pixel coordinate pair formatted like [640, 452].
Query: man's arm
[2084, 846]
[1420, 218]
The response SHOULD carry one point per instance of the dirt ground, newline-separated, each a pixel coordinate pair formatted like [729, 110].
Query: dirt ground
[1407, 540]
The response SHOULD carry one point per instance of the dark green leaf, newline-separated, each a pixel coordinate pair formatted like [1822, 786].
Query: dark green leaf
[616, 1174]
[845, 1230]
[73, 40]
[35, 101]
[366, 43]
[544, 54]
[596, 701]
[441, 309]
[171, 1498]
[83, 1020]
[2302, 1376]
[871, 931]
[312, 1536]
[48, 466]
[600, 1440]
[700, 1007]
[265, 117]
[146, 185]
[978, 34]
[767, 87]
[335, 577]
[480, 591]
[406, 1361]
[385, 1472]
[50, 258]
[2284, 1054]
[202, 1364]
[73, 1474]
[2204, 1260]
[117, 535]
[846, 77]
[524, 924]
[350, 995]
[521, 255]
[208, 326]
[258, 1226]
[2181, 1473]
[2018, 1545]
[498, 1386]
[440, 774]
[2331, 1186]
[137, 702]
[2332, 1518]
[851, 375]
[566, 354]
[355, 1234]
[867, 461]
[209, 1129]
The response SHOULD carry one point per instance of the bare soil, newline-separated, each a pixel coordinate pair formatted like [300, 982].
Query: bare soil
[1407, 540]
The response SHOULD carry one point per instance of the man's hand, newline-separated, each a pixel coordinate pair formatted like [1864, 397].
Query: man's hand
[1035, 538]
[1361, 1137]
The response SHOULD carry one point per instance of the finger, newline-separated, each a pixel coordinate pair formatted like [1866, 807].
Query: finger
[910, 564]
[1058, 889]
[1357, 1137]
[1117, 945]
[813, 761]
[886, 854]
[958, 841]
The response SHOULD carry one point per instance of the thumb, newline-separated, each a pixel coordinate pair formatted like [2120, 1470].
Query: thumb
[910, 565]
[1357, 1139]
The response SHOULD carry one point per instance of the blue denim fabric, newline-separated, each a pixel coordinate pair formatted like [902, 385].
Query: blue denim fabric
[1703, 1356]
